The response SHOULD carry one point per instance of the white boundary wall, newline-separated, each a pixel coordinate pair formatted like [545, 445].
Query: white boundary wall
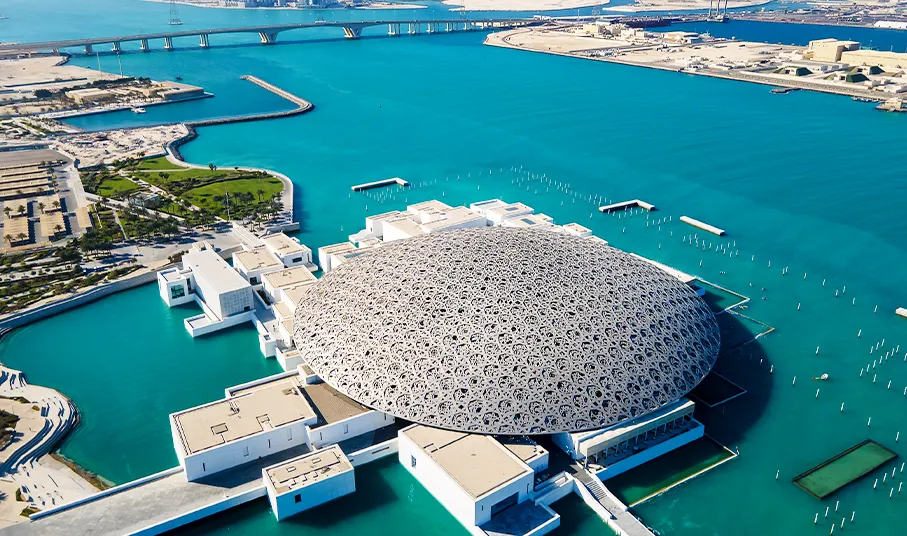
[651, 453]
[373, 453]
[347, 428]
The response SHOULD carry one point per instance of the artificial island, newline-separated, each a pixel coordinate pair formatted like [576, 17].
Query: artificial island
[504, 361]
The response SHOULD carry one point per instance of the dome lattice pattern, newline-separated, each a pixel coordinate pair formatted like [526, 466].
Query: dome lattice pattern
[506, 331]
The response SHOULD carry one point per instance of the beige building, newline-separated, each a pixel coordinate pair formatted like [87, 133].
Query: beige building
[91, 96]
[889, 61]
[829, 49]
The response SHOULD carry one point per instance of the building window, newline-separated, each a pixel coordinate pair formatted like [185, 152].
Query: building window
[245, 451]
[298, 497]
[289, 434]
[253, 280]
[412, 461]
[297, 259]
[177, 291]
[346, 428]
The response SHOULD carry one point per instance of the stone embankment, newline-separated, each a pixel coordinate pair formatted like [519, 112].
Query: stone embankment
[302, 106]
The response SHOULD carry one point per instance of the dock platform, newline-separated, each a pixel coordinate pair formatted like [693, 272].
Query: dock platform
[623, 205]
[702, 225]
[901, 311]
[379, 184]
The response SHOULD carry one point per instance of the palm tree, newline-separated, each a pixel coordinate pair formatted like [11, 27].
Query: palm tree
[56, 204]
[8, 238]
[7, 210]
[212, 167]
[41, 207]
[58, 228]
[21, 210]
[21, 237]
[260, 193]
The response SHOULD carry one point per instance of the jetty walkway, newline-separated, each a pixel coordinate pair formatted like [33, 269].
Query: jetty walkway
[154, 504]
[302, 106]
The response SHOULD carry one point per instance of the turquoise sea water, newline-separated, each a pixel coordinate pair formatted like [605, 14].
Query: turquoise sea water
[814, 182]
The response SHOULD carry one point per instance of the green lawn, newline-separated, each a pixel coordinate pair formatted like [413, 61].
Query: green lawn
[203, 196]
[115, 186]
[155, 178]
[157, 164]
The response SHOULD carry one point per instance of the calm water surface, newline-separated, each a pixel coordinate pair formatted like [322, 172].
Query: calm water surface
[811, 182]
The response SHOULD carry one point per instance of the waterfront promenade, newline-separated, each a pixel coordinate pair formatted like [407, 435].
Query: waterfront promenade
[154, 504]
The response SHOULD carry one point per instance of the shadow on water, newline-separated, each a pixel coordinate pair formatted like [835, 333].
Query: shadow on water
[747, 365]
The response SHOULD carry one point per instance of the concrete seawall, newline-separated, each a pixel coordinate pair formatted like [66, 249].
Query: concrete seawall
[27, 317]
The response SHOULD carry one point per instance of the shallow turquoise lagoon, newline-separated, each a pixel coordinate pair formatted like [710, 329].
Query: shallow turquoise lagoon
[813, 183]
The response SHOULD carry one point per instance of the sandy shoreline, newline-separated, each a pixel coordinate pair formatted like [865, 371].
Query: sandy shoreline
[642, 6]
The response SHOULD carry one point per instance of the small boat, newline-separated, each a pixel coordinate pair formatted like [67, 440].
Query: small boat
[138, 110]
[783, 90]
[178, 78]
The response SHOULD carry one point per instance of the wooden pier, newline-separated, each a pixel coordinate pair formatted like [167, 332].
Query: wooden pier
[702, 225]
[901, 311]
[625, 205]
[379, 184]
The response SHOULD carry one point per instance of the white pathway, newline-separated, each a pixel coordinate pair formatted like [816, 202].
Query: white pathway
[44, 482]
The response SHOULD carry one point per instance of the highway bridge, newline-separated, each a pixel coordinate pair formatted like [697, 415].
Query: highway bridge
[267, 34]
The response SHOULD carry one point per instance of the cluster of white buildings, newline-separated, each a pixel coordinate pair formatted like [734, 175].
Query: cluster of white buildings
[491, 484]
[264, 285]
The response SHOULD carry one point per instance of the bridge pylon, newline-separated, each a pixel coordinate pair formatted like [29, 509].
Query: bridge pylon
[268, 38]
[352, 32]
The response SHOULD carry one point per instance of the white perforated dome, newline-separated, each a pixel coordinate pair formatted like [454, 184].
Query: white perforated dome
[506, 331]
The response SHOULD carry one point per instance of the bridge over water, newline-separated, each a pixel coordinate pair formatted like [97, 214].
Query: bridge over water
[268, 33]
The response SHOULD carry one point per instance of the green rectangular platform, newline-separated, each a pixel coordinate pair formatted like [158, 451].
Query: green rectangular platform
[843, 469]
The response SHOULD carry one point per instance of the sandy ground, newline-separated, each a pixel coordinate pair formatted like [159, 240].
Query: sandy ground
[29, 74]
[554, 41]
[523, 5]
[641, 6]
[44, 483]
[92, 148]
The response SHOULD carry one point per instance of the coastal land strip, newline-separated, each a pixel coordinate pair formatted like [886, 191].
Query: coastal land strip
[555, 39]
[642, 6]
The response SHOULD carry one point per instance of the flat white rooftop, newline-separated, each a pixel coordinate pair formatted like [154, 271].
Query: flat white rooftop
[336, 248]
[682, 276]
[332, 405]
[295, 294]
[406, 226]
[289, 277]
[451, 217]
[523, 447]
[430, 206]
[247, 412]
[208, 265]
[308, 469]
[284, 245]
[478, 463]
[256, 259]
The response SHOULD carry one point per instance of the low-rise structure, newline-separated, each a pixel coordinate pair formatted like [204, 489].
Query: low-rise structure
[289, 251]
[308, 480]
[474, 476]
[252, 264]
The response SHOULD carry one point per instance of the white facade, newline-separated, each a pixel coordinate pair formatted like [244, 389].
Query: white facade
[448, 489]
[252, 264]
[288, 250]
[255, 420]
[307, 481]
[224, 292]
